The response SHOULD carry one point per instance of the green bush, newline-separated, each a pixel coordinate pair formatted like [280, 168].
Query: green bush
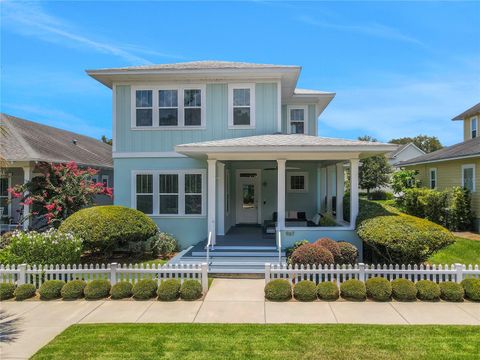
[51, 289]
[305, 290]
[332, 246]
[353, 290]
[460, 215]
[472, 288]
[427, 290]
[121, 290]
[25, 291]
[97, 289]
[404, 290]
[348, 253]
[144, 289]
[311, 254]
[164, 244]
[451, 291]
[191, 290]
[73, 290]
[404, 179]
[6, 291]
[328, 291]
[169, 290]
[278, 290]
[378, 289]
[103, 228]
[327, 220]
[50, 247]
[380, 195]
[289, 251]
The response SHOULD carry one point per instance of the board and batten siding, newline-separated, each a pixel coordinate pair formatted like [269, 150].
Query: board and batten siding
[216, 127]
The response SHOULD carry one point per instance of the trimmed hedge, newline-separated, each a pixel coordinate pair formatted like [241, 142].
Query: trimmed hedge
[311, 254]
[190, 290]
[6, 291]
[169, 290]
[305, 290]
[51, 289]
[353, 290]
[472, 288]
[348, 253]
[451, 291]
[144, 289]
[278, 290]
[428, 290]
[379, 289]
[24, 291]
[97, 289]
[404, 290]
[73, 290]
[328, 291]
[332, 246]
[121, 290]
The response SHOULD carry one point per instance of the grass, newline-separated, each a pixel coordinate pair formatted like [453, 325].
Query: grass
[463, 251]
[222, 341]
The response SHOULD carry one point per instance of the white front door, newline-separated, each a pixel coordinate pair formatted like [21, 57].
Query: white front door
[248, 197]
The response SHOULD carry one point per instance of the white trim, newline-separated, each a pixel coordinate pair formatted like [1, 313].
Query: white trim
[289, 181]
[281, 173]
[441, 160]
[279, 106]
[258, 188]
[474, 179]
[305, 117]
[251, 87]
[160, 154]
[406, 147]
[340, 176]
[430, 178]
[211, 203]
[354, 202]
[473, 120]
[221, 198]
[114, 117]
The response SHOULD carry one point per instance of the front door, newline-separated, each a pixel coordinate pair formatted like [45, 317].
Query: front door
[247, 197]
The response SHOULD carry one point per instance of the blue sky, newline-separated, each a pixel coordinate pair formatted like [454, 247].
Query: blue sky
[398, 68]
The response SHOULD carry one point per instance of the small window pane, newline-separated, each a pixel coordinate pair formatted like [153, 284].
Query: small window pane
[169, 183]
[241, 97]
[297, 114]
[143, 98]
[193, 117]
[168, 204]
[193, 98]
[168, 117]
[193, 204]
[144, 184]
[145, 203]
[248, 192]
[193, 183]
[297, 128]
[241, 116]
[144, 117]
[297, 182]
[168, 98]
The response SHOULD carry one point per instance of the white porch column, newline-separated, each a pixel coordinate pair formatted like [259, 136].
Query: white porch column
[212, 167]
[281, 194]
[330, 187]
[221, 198]
[323, 189]
[340, 191]
[26, 208]
[353, 190]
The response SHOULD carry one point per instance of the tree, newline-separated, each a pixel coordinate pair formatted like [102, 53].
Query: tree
[106, 140]
[404, 179]
[424, 142]
[61, 190]
[374, 171]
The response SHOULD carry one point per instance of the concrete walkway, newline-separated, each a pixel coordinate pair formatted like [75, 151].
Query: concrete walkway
[27, 326]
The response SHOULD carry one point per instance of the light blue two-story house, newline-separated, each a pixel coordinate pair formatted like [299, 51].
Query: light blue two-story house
[230, 150]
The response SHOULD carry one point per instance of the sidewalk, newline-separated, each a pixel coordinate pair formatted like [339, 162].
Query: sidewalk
[29, 325]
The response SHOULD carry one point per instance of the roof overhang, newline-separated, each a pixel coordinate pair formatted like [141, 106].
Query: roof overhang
[439, 160]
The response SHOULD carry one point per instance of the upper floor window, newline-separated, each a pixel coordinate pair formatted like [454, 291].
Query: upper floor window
[468, 177]
[297, 119]
[433, 178]
[168, 107]
[473, 127]
[241, 106]
[144, 108]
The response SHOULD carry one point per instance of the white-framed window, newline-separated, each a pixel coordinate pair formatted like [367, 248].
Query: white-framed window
[241, 106]
[473, 127]
[105, 180]
[169, 193]
[168, 107]
[95, 179]
[5, 183]
[297, 182]
[297, 119]
[468, 177]
[432, 178]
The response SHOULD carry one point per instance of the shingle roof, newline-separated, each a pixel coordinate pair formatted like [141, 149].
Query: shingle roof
[469, 148]
[29, 141]
[469, 112]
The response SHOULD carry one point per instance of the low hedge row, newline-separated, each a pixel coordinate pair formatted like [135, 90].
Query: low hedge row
[377, 289]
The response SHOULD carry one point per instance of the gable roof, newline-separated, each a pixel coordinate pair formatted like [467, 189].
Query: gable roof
[26, 140]
[475, 109]
[394, 154]
[466, 149]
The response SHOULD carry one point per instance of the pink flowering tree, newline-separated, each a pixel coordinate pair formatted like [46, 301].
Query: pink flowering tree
[61, 190]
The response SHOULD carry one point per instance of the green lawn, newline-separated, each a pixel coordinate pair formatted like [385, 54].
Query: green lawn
[463, 251]
[197, 341]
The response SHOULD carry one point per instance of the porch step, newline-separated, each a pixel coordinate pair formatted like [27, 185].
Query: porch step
[236, 253]
[234, 265]
[252, 248]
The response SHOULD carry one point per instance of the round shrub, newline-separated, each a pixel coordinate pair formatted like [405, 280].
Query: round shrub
[73, 290]
[6, 291]
[353, 290]
[190, 290]
[378, 289]
[105, 227]
[348, 253]
[332, 246]
[164, 244]
[169, 290]
[144, 289]
[97, 289]
[51, 289]
[278, 290]
[311, 254]
[328, 291]
[427, 290]
[25, 291]
[404, 290]
[305, 290]
[121, 290]
[472, 288]
[451, 291]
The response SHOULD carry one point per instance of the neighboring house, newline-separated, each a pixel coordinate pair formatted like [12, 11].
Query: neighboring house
[456, 165]
[24, 143]
[403, 153]
[203, 147]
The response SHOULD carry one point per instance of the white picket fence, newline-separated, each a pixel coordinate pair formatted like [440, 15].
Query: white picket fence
[26, 274]
[341, 273]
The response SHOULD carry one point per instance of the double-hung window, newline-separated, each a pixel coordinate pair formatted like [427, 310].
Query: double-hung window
[241, 104]
[168, 192]
[468, 177]
[143, 108]
[168, 107]
[297, 119]
[192, 102]
[433, 178]
[144, 194]
[193, 194]
[473, 127]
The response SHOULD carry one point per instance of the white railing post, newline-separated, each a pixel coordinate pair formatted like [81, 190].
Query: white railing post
[204, 268]
[22, 274]
[209, 242]
[267, 273]
[459, 273]
[361, 271]
[279, 245]
[113, 273]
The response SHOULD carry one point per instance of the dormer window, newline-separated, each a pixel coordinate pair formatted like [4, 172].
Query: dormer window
[241, 101]
[297, 119]
[473, 127]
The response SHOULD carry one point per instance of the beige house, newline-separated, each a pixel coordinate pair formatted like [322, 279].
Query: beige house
[455, 165]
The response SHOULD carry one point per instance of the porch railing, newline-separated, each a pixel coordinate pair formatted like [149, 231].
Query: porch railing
[279, 246]
[209, 243]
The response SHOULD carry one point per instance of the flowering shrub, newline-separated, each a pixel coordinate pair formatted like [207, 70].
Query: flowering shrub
[50, 247]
